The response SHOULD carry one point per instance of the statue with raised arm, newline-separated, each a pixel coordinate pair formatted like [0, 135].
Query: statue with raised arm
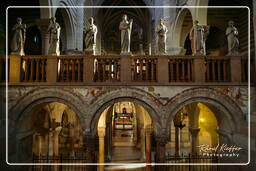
[233, 42]
[198, 35]
[161, 32]
[18, 39]
[126, 29]
[54, 40]
[90, 37]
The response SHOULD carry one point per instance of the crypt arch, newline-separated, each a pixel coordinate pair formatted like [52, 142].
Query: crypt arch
[229, 113]
[113, 97]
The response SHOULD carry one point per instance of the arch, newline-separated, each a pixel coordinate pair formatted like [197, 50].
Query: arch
[113, 97]
[179, 34]
[68, 39]
[36, 97]
[214, 99]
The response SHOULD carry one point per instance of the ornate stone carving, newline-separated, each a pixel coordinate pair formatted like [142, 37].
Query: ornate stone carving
[198, 35]
[161, 33]
[18, 39]
[126, 29]
[233, 42]
[54, 30]
[90, 37]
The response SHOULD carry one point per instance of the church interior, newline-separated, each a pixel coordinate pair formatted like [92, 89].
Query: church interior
[128, 85]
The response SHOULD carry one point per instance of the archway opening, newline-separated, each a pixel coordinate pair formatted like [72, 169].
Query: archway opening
[33, 44]
[49, 130]
[108, 24]
[125, 130]
[194, 125]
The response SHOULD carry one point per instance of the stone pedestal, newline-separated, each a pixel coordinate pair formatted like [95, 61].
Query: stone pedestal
[15, 64]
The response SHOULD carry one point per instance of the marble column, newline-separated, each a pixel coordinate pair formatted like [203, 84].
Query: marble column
[142, 144]
[43, 27]
[194, 145]
[101, 134]
[177, 141]
[90, 142]
[148, 145]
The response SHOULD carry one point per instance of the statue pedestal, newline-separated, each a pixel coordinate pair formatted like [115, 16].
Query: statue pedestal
[126, 53]
[89, 52]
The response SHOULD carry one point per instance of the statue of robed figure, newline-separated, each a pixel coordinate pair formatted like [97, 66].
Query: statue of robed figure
[161, 32]
[126, 29]
[198, 35]
[233, 42]
[18, 39]
[54, 41]
[90, 37]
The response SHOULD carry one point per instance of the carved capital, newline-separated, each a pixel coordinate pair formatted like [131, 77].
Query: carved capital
[194, 131]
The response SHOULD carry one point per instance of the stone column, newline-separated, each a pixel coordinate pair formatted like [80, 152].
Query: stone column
[148, 145]
[43, 26]
[101, 134]
[142, 144]
[177, 141]
[55, 138]
[194, 135]
[89, 142]
[160, 148]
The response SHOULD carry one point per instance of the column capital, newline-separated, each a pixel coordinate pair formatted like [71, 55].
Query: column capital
[194, 131]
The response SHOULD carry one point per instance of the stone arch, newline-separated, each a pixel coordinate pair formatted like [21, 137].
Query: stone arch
[179, 34]
[231, 111]
[67, 32]
[37, 97]
[140, 98]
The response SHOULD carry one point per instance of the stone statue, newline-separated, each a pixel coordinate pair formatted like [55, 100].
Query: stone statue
[54, 30]
[233, 42]
[19, 37]
[126, 29]
[90, 37]
[161, 32]
[198, 35]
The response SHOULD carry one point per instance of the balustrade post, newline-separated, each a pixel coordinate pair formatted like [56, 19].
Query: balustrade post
[199, 69]
[51, 69]
[236, 70]
[125, 68]
[88, 71]
[163, 70]
[15, 68]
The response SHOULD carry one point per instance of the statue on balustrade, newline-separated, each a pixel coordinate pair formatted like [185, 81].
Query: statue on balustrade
[18, 39]
[198, 35]
[161, 32]
[54, 40]
[233, 42]
[90, 37]
[126, 29]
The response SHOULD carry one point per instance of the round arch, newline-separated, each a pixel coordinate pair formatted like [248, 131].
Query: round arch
[184, 18]
[230, 111]
[125, 95]
[26, 104]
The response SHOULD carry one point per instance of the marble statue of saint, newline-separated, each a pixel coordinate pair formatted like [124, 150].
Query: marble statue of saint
[126, 29]
[90, 36]
[54, 40]
[161, 32]
[198, 35]
[233, 42]
[18, 39]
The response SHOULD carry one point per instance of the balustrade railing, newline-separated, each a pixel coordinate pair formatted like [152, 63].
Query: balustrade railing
[33, 69]
[181, 69]
[126, 70]
[144, 69]
[107, 69]
[217, 69]
[70, 69]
